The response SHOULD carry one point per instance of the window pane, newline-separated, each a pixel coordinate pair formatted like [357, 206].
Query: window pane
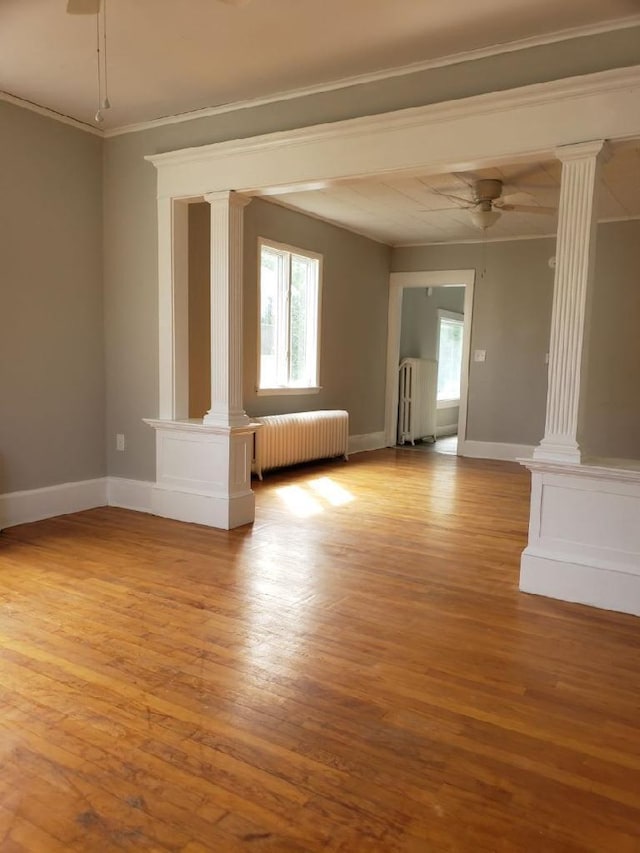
[289, 293]
[271, 315]
[449, 359]
[303, 322]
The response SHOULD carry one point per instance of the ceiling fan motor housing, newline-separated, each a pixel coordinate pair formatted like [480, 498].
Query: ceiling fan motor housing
[487, 190]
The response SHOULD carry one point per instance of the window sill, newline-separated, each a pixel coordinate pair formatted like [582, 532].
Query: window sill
[285, 392]
[447, 404]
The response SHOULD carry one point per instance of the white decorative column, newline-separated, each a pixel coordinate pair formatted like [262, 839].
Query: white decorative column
[203, 468]
[584, 540]
[575, 254]
[227, 215]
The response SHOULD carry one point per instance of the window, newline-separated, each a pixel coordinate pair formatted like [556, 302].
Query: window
[289, 318]
[450, 328]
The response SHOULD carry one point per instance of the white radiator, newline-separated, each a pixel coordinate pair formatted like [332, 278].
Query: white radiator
[299, 437]
[417, 399]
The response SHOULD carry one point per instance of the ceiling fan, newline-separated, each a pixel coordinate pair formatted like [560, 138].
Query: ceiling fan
[487, 203]
[92, 7]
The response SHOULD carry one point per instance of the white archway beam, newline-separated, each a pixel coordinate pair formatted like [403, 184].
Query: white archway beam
[529, 122]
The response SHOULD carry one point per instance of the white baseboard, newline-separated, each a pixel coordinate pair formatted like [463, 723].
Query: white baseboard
[129, 494]
[211, 510]
[369, 441]
[447, 429]
[495, 450]
[36, 504]
[597, 586]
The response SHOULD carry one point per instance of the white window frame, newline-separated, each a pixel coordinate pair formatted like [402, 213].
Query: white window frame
[286, 390]
[443, 314]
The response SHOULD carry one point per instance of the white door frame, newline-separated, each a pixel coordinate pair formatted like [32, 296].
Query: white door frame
[398, 281]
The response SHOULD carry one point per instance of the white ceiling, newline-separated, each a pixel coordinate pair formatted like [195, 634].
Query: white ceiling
[172, 56]
[412, 209]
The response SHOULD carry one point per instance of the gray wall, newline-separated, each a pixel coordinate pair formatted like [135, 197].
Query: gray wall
[611, 401]
[131, 308]
[51, 321]
[511, 321]
[355, 300]
[199, 309]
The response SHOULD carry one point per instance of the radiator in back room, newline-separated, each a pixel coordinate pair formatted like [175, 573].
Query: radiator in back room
[417, 399]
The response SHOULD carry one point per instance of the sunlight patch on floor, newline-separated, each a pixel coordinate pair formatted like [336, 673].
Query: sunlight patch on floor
[335, 494]
[307, 501]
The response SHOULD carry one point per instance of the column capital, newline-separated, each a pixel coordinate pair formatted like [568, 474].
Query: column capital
[579, 150]
[231, 197]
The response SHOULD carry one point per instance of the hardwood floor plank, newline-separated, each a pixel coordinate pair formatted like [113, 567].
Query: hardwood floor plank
[355, 672]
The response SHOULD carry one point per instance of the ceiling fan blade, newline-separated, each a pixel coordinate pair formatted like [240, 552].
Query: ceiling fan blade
[468, 202]
[83, 7]
[517, 197]
[527, 208]
[442, 209]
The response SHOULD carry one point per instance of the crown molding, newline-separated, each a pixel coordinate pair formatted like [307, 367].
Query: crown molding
[509, 239]
[332, 86]
[45, 111]
[385, 74]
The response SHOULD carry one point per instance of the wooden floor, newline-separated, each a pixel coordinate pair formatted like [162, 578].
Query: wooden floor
[356, 672]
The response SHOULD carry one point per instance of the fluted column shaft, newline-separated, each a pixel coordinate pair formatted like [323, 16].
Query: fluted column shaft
[575, 256]
[227, 214]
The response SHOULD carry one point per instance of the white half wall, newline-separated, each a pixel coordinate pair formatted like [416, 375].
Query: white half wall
[584, 537]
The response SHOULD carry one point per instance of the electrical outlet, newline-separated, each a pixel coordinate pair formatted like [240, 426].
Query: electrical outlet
[479, 355]
[120, 441]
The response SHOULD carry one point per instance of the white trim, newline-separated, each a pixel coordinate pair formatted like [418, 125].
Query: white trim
[595, 586]
[385, 74]
[35, 504]
[129, 494]
[551, 236]
[447, 404]
[612, 470]
[368, 441]
[533, 139]
[494, 450]
[428, 278]
[287, 391]
[446, 429]
[49, 113]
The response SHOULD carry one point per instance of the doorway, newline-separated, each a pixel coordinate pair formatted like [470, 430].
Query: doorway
[418, 285]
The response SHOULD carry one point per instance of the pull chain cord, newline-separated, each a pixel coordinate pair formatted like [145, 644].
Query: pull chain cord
[105, 104]
[98, 118]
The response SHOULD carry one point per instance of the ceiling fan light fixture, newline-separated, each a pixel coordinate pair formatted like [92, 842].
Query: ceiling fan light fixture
[484, 219]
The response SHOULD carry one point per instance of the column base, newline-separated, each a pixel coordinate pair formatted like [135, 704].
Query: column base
[224, 513]
[598, 586]
[557, 451]
[203, 473]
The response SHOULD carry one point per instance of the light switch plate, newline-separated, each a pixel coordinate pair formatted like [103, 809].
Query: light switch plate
[479, 355]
